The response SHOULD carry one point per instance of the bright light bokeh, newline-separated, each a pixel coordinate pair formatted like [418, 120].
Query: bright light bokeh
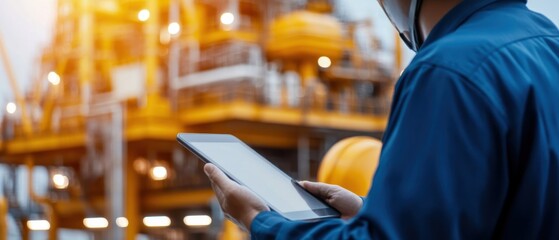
[122, 222]
[324, 62]
[197, 220]
[97, 222]
[158, 173]
[53, 78]
[38, 225]
[227, 18]
[11, 108]
[174, 28]
[143, 15]
[157, 221]
[60, 181]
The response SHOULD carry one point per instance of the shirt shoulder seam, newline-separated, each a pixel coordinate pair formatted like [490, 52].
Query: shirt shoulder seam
[499, 49]
[494, 51]
[464, 78]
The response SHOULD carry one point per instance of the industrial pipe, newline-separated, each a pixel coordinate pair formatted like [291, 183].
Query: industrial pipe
[45, 202]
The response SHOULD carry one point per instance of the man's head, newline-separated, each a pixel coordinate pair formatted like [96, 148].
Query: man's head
[414, 19]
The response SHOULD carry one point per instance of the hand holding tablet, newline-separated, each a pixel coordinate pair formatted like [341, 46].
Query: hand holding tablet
[238, 203]
[250, 170]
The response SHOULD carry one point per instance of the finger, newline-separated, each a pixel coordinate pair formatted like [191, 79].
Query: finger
[218, 192]
[319, 189]
[217, 176]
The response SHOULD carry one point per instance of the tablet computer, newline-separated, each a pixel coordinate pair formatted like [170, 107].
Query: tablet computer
[248, 168]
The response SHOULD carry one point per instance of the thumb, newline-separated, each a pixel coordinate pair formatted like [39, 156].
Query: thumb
[217, 176]
[321, 190]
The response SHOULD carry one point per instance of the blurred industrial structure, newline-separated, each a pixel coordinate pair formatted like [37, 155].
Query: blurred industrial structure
[121, 78]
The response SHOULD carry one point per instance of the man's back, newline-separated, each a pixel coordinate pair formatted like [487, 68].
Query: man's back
[508, 57]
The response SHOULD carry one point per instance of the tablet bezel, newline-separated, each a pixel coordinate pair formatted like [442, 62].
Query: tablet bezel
[185, 138]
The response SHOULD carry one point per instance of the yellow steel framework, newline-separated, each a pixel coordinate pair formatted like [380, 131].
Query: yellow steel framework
[130, 79]
[3, 218]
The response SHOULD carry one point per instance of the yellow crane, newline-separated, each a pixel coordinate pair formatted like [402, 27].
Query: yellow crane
[19, 97]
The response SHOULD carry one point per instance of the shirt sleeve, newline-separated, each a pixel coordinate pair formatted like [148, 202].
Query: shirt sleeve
[442, 172]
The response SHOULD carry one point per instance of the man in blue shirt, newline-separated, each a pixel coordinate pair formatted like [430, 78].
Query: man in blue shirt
[471, 150]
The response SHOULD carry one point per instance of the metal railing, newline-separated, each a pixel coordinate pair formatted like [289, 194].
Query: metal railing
[250, 92]
[219, 55]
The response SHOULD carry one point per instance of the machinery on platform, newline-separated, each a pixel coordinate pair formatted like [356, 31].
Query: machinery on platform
[120, 78]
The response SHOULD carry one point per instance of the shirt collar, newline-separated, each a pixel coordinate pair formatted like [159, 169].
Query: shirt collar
[458, 15]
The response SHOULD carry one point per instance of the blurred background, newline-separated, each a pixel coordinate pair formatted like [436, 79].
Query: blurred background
[93, 93]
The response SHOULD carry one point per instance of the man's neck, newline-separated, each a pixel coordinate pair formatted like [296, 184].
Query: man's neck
[432, 11]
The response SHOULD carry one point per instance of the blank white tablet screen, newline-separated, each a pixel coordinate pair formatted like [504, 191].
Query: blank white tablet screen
[257, 174]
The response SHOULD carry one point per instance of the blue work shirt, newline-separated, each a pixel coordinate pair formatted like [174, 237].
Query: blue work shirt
[471, 150]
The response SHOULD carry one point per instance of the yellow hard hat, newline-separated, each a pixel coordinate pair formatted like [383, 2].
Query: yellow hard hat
[351, 163]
